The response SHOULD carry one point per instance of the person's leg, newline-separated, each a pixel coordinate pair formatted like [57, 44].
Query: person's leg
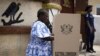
[88, 42]
[91, 42]
[84, 41]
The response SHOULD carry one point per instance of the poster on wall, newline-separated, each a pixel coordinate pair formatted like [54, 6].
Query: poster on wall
[67, 6]
[66, 28]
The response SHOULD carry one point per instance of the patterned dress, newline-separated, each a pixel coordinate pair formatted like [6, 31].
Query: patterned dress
[36, 45]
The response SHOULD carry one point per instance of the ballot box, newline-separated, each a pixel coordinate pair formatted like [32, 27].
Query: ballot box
[66, 29]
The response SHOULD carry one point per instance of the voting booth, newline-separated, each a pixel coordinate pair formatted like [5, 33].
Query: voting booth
[66, 29]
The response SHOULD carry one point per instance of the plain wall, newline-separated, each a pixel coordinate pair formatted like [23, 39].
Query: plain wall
[94, 3]
[15, 44]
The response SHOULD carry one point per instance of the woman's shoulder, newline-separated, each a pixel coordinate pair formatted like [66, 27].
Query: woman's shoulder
[38, 24]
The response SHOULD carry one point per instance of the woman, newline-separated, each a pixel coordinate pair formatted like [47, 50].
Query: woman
[41, 37]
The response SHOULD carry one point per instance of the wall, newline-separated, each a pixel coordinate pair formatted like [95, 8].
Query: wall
[15, 44]
[97, 26]
[80, 5]
[94, 3]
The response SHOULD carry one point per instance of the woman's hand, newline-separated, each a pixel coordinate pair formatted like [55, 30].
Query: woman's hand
[52, 34]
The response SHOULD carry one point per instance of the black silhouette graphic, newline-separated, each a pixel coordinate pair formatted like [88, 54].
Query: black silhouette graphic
[66, 29]
[11, 12]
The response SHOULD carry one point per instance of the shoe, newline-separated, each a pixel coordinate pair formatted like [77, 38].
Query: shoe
[93, 51]
[88, 51]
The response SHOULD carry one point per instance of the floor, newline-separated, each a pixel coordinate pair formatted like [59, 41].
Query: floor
[96, 48]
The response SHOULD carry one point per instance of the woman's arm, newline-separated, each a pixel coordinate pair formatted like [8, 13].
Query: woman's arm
[90, 27]
[51, 38]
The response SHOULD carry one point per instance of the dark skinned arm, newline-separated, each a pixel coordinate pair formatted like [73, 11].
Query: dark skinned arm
[51, 38]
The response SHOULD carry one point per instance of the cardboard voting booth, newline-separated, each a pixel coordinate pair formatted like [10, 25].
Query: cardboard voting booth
[66, 29]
